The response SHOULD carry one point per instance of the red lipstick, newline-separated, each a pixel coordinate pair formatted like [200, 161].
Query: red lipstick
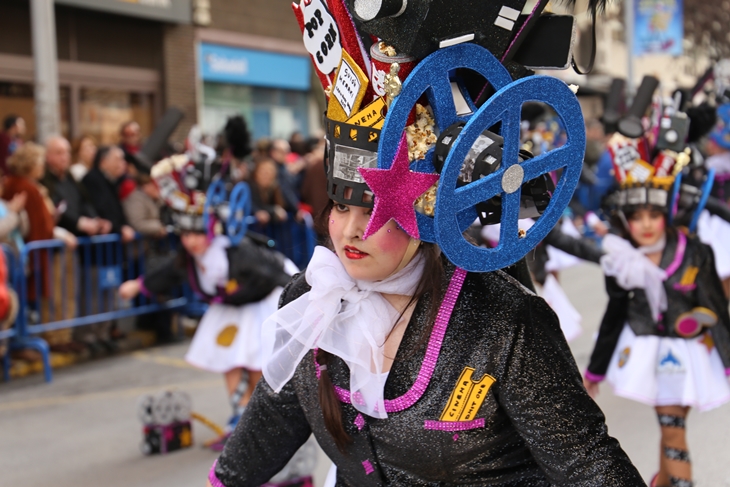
[354, 253]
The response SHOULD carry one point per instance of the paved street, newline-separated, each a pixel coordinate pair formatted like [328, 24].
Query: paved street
[82, 429]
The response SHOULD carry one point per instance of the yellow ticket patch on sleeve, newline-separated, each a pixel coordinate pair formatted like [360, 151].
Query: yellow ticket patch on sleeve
[690, 275]
[467, 397]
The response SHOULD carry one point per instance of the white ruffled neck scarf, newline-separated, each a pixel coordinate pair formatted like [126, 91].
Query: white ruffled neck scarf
[633, 269]
[343, 316]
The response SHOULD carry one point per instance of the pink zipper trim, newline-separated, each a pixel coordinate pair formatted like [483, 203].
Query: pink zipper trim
[678, 255]
[212, 478]
[432, 352]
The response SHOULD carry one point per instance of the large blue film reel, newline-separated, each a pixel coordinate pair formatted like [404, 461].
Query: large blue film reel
[455, 207]
[240, 208]
[215, 196]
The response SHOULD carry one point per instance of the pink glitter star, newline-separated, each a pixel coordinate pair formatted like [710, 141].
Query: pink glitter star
[396, 190]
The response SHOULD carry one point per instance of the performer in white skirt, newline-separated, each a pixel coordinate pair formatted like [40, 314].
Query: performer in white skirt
[665, 337]
[713, 230]
[241, 284]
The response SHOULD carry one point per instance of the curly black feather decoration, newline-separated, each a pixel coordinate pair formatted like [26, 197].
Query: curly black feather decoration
[702, 119]
[238, 137]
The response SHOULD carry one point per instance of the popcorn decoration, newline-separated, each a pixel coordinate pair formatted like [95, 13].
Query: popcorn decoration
[421, 135]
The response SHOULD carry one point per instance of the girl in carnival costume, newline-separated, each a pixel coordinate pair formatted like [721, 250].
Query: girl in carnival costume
[407, 368]
[713, 230]
[665, 337]
[241, 282]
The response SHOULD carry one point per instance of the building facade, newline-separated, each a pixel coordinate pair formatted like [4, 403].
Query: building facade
[123, 60]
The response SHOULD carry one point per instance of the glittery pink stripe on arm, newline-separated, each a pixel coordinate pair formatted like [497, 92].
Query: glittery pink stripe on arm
[727, 371]
[594, 377]
[142, 289]
[678, 255]
[212, 478]
[432, 353]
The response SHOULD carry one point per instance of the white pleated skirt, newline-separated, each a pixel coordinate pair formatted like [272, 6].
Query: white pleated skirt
[229, 337]
[662, 371]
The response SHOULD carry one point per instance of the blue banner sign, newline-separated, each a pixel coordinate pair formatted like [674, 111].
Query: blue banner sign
[225, 64]
[658, 27]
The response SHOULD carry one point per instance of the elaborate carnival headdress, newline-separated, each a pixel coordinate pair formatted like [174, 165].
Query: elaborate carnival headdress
[423, 112]
[649, 154]
[193, 187]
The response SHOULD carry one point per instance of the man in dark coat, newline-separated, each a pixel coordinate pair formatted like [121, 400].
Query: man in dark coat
[101, 184]
[77, 215]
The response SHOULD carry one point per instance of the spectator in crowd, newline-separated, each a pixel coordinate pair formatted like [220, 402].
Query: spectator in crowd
[279, 151]
[142, 208]
[10, 138]
[26, 167]
[76, 214]
[102, 185]
[14, 222]
[595, 142]
[262, 149]
[266, 198]
[83, 151]
[314, 182]
[130, 141]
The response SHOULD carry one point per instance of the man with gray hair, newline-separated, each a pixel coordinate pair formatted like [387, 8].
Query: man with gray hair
[77, 215]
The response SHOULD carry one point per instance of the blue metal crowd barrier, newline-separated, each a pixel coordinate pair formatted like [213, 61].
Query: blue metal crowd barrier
[65, 288]
[294, 239]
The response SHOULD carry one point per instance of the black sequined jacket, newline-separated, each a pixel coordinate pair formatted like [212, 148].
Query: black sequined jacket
[535, 427]
[692, 283]
[253, 270]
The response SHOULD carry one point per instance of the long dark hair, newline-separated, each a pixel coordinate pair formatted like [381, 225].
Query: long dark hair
[430, 285]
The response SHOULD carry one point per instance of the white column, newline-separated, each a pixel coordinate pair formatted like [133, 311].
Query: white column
[45, 61]
[629, 37]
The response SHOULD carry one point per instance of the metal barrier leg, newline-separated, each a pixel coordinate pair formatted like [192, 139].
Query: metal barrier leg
[39, 344]
[6, 366]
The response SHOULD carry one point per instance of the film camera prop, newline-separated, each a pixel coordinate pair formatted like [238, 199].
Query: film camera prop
[167, 422]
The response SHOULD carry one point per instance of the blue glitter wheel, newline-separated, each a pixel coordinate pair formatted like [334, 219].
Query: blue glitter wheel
[432, 78]
[674, 199]
[704, 196]
[455, 207]
[240, 207]
[215, 196]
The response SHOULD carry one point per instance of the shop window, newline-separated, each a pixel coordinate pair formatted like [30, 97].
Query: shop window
[17, 99]
[271, 113]
[102, 113]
